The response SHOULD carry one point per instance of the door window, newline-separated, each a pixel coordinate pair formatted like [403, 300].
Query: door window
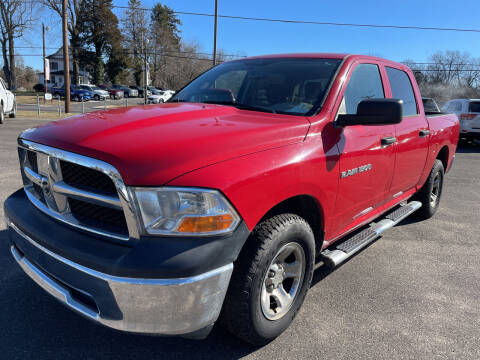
[402, 89]
[365, 83]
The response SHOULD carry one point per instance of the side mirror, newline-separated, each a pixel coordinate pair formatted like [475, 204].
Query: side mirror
[374, 112]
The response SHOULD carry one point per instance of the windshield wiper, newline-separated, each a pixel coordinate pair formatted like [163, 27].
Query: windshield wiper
[241, 106]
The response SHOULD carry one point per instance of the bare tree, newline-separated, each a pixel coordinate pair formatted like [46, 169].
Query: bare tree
[73, 10]
[134, 26]
[16, 16]
[448, 74]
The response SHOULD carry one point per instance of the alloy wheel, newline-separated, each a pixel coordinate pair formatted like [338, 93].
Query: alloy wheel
[283, 280]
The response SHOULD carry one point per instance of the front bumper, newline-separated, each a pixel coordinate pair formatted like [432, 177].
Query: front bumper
[158, 285]
[153, 306]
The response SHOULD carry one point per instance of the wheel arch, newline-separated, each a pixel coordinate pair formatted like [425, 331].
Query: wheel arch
[307, 207]
[443, 156]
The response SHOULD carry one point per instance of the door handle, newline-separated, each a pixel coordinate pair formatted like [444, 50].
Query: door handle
[424, 133]
[386, 141]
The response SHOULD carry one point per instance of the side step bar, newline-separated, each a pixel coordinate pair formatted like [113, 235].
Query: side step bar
[354, 243]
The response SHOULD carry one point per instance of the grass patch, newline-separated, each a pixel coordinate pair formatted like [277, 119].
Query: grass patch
[43, 114]
[32, 100]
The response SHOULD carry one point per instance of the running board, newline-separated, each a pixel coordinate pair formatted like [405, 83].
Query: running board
[354, 243]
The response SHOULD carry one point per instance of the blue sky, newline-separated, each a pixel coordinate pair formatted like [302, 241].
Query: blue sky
[254, 38]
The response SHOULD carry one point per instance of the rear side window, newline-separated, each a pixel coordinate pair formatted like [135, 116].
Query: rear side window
[474, 107]
[402, 89]
[365, 83]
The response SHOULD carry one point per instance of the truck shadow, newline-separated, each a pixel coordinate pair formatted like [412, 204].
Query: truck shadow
[35, 325]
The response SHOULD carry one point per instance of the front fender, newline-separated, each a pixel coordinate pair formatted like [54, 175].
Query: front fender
[257, 182]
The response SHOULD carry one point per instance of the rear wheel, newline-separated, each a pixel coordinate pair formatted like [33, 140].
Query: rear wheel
[96, 97]
[431, 193]
[270, 280]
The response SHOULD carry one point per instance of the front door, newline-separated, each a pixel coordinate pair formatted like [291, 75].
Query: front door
[366, 166]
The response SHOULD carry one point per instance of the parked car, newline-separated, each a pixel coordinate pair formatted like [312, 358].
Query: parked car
[98, 94]
[114, 93]
[430, 105]
[219, 203]
[160, 97]
[8, 105]
[140, 90]
[127, 92]
[41, 87]
[76, 94]
[468, 111]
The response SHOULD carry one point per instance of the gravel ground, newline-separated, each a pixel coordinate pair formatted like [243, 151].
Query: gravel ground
[413, 294]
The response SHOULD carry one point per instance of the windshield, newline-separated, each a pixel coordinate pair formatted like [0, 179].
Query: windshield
[95, 88]
[293, 86]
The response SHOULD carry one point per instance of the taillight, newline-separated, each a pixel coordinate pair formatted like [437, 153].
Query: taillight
[467, 116]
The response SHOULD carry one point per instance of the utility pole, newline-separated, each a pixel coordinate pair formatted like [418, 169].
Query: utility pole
[215, 34]
[145, 70]
[44, 64]
[45, 82]
[66, 62]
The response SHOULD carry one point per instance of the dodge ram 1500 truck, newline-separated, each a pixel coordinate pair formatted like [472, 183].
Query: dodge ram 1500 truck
[217, 205]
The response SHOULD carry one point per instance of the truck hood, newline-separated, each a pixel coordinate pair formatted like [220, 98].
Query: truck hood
[151, 145]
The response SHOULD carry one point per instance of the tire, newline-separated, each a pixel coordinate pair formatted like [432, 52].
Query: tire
[75, 98]
[96, 97]
[431, 192]
[2, 114]
[13, 114]
[256, 273]
[126, 95]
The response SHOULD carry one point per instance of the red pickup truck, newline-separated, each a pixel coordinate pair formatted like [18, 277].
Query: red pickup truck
[217, 205]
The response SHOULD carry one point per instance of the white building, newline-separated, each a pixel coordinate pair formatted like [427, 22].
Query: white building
[57, 76]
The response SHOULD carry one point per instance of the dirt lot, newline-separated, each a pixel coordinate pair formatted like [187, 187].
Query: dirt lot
[413, 294]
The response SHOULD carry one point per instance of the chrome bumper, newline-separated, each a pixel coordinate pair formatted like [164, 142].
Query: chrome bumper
[153, 306]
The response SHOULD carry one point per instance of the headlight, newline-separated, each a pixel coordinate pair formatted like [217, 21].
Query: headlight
[184, 211]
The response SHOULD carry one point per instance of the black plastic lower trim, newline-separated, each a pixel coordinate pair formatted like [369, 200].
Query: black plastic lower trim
[150, 257]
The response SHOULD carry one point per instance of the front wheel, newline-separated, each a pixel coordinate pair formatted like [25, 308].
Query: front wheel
[270, 279]
[431, 192]
[2, 115]
[126, 95]
[13, 113]
[96, 97]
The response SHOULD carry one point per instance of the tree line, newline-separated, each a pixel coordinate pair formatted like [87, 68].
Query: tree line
[448, 75]
[111, 49]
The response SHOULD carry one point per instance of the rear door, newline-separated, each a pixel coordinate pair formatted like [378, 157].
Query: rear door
[471, 120]
[366, 166]
[412, 133]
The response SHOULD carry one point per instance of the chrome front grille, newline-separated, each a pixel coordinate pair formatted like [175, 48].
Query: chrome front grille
[83, 192]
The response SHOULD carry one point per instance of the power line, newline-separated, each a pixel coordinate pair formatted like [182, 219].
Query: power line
[148, 53]
[293, 21]
[166, 51]
[444, 70]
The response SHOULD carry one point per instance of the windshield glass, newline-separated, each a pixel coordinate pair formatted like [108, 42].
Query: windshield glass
[293, 86]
